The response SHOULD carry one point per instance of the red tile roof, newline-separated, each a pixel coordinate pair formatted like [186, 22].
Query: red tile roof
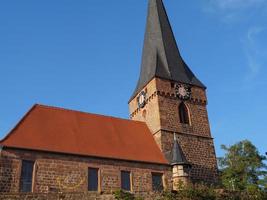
[65, 131]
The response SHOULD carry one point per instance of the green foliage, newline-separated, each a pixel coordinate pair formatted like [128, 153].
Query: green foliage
[242, 195]
[203, 192]
[194, 192]
[199, 192]
[122, 195]
[242, 167]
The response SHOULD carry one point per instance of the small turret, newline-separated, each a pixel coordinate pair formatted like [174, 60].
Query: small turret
[180, 166]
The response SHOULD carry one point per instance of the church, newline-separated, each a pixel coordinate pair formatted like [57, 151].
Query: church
[166, 142]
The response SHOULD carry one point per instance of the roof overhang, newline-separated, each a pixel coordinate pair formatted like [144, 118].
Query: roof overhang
[185, 164]
[82, 155]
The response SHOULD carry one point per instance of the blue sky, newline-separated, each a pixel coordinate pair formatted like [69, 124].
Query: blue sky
[85, 55]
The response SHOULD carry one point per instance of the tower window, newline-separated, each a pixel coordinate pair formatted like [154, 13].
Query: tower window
[126, 180]
[183, 113]
[92, 179]
[26, 176]
[157, 184]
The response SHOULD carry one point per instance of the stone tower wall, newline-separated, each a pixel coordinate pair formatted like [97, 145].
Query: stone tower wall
[162, 117]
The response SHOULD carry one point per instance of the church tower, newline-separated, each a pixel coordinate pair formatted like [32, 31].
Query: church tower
[172, 100]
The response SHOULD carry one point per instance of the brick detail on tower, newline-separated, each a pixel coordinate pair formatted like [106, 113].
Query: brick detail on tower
[162, 117]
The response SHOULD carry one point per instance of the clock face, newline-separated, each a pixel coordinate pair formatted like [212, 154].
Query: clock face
[182, 91]
[141, 99]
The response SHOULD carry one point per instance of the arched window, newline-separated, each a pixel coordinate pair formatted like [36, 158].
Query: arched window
[183, 113]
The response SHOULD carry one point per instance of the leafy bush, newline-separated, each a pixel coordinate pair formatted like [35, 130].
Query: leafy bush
[196, 192]
[199, 192]
[202, 192]
[122, 195]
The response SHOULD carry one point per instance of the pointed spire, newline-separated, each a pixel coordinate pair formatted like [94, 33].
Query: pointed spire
[161, 57]
[178, 157]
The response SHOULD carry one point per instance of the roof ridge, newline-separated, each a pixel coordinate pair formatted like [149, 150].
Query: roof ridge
[83, 112]
[10, 132]
[93, 156]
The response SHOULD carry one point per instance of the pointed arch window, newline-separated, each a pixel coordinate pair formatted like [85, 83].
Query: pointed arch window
[184, 114]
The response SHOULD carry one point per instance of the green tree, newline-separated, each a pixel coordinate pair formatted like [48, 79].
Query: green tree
[242, 167]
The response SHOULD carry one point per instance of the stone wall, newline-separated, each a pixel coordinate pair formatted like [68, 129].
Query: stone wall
[56, 196]
[9, 174]
[72, 196]
[150, 113]
[68, 173]
[199, 151]
[162, 117]
[161, 109]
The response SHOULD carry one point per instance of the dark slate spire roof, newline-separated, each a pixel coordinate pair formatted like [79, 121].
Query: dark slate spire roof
[178, 157]
[161, 57]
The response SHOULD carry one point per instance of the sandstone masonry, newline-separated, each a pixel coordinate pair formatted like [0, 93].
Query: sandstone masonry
[69, 173]
[162, 117]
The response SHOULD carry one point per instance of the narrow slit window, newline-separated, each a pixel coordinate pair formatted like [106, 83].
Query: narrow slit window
[93, 179]
[26, 176]
[126, 180]
[157, 183]
[183, 114]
